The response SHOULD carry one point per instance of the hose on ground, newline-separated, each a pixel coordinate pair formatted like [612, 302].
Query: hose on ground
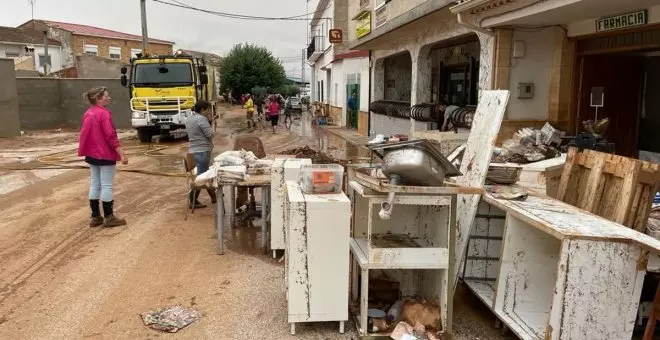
[61, 160]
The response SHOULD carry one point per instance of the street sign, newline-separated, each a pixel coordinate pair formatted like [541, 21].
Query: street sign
[336, 36]
[621, 21]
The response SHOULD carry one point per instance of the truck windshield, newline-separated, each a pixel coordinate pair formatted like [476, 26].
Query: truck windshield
[162, 74]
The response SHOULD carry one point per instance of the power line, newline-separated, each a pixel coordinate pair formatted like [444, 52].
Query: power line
[180, 4]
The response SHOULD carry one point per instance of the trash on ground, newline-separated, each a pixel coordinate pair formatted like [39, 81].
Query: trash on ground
[404, 331]
[170, 319]
[507, 192]
[425, 313]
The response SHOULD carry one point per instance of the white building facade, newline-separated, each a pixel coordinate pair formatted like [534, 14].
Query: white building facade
[338, 74]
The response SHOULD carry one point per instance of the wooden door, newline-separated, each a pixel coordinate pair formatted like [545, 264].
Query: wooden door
[622, 78]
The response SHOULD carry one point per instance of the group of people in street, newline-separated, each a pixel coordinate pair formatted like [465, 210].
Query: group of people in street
[274, 104]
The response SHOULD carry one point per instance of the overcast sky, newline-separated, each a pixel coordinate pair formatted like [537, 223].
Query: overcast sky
[189, 29]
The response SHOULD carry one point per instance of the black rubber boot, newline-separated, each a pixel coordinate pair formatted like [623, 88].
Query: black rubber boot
[214, 198]
[193, 197]
[97, 219]
[110, 219]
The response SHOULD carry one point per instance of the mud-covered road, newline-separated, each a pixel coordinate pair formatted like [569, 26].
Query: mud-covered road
[60, 279]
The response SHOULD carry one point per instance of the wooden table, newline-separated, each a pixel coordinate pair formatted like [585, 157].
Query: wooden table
[262, 181]
[549, 270]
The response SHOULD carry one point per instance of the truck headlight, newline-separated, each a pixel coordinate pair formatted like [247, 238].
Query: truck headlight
[138, 115]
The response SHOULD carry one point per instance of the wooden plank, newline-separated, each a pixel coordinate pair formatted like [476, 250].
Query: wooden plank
[474, 166]
[591, 198]
[644, 198]
[381, 185]
[567, 174]
[629, 187]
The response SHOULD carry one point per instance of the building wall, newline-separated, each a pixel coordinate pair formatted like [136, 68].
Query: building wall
[396, 8]
[64, 37]
[398, 77]
[104, 44]
[46, 103]
[649, 139]
[535, 67]
[361, 67]
[89, 66]
[386, 125]
[588, 26]
[55, 53]
[10, 126]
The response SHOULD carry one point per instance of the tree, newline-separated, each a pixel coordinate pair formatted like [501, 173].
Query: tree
[248, 66]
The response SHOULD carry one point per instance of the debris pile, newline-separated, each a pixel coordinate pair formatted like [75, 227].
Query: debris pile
[316, 156]
[170, 319]
[530, 145]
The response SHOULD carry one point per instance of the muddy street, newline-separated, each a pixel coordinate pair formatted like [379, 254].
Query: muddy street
[60, 279]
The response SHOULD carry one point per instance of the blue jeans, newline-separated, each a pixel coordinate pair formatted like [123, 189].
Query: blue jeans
[202, 162]
[102, 178]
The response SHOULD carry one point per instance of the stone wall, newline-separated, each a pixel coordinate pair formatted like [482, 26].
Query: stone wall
[46, 103]
[10, 125]
[89, 66]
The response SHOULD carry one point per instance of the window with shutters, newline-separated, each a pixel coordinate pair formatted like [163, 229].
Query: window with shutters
[12, 54]
[115, 52]
[91, 49]
[380, 12]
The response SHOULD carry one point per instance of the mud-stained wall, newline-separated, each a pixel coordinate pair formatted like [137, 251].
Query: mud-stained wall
[398, 77]
[418, 43]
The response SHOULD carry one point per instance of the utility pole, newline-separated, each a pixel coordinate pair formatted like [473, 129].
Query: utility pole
[46, 62]
[145, 35]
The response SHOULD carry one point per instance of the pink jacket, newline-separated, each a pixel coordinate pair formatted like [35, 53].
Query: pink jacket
[98, 136]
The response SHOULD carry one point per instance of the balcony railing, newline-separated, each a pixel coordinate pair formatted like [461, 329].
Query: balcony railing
[315, 47]
[311, 48]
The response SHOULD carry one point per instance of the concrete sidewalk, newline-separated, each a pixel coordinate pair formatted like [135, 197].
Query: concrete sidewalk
[350, 135]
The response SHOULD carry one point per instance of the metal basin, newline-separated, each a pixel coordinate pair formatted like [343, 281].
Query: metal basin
[414, 166]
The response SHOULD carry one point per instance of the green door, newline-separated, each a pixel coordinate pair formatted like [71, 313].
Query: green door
[352, 105]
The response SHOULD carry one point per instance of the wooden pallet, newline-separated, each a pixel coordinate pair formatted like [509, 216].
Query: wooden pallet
[618, 188]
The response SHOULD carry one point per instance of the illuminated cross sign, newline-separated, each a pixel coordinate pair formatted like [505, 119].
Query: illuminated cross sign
[620, 21]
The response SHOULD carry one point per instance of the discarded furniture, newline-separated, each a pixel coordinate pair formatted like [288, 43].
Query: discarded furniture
[256, 181]
[284, 169]
[417, 242]
[549, 270]
[475, 162]
[541, 177]
[617, 188]
[449, 141]
[317, 257]
[653, 317]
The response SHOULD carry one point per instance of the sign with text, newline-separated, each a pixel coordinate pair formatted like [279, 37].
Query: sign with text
[363, 25]
[621, 21]
[336, 36]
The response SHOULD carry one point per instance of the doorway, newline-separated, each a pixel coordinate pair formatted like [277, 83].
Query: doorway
[621, 78]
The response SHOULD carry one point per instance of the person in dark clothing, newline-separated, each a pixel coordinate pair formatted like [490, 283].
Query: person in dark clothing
[200, 139]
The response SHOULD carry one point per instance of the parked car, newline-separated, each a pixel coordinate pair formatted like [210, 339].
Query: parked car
[293, 104]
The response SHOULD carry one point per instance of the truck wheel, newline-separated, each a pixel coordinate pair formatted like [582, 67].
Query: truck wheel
[144, 135]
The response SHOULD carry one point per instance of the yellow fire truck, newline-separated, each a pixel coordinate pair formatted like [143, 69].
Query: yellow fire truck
[163, 91]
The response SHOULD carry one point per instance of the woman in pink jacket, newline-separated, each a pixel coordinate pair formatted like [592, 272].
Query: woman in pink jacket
[100, 146]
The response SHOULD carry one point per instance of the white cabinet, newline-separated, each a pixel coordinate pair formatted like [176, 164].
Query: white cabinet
[317, 257]
[415, 246]
[549, 270]
[284, 169]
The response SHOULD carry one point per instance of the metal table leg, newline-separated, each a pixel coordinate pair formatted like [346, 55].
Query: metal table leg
[232, 206]
[220, 220]
[264, 213]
